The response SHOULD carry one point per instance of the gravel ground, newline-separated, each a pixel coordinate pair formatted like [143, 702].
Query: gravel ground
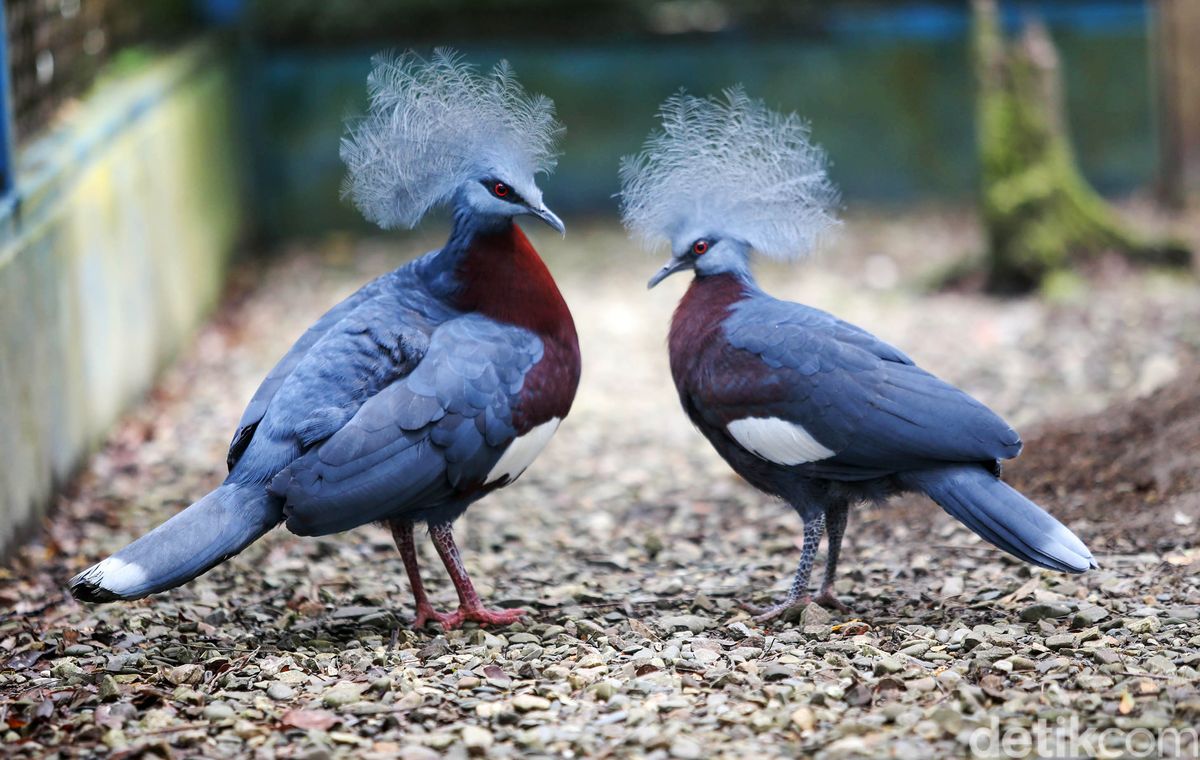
[630, 543]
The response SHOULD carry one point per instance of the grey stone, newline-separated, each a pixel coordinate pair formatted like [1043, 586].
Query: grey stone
[1044, 611]
[218, 711]
[279, 691]
[888, 664]
[1060, 641]
[693, 623]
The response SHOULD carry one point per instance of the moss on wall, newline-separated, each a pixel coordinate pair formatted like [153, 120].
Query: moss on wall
[114, 249]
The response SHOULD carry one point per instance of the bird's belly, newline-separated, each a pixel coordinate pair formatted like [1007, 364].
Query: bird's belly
[522, 451]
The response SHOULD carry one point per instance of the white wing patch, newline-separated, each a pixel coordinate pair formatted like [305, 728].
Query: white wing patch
[522, 451]
[777, 440]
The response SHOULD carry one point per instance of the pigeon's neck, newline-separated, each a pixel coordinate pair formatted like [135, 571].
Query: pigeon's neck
[700, 314]
[470, 225]
[709, 298]
[728, 264]
[488, 266]
[441, 269]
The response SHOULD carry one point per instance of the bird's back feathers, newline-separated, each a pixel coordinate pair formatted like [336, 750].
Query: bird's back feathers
[354, 352]
[257, 408]
[852, 393]
[427, 441]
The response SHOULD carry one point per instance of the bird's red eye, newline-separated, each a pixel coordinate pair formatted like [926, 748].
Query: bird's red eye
[500, 189]
[700, 247]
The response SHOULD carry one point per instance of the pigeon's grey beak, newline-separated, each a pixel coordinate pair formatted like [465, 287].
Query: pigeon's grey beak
[550, 218]
[676, 264]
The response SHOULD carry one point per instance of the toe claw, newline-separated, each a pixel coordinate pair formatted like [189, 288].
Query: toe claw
[480, 615]
[484, 616]
[427, 614]
[830, 602]
[753, 609]
[784, 610]
[450, 620]
[768, 615]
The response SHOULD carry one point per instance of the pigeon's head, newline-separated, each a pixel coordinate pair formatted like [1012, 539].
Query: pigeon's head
[724, 177]
[707, 251]
[502, 194]
[439, 132]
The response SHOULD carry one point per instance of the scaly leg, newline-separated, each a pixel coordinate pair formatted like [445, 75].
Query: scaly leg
[835, 528]
[469, 605]
[402, 532]
[797, 596]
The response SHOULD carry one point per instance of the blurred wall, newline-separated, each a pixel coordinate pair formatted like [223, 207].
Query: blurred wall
[112, 251]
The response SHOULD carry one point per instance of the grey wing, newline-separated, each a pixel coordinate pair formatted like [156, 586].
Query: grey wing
[382, 339]
[769, 330]
[271, 384]
[428, 439]
[859, 398]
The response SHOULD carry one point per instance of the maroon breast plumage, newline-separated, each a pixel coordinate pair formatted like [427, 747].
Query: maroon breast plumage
[505, 279]
[697, 322]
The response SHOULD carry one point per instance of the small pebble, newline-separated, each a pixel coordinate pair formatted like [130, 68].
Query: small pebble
[477, 739]
[279, 691]
[218, 711]
[1043, 611]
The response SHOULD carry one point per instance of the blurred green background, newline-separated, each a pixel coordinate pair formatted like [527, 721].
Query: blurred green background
[886, 87]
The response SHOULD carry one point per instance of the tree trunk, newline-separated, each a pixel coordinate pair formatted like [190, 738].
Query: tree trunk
[1176, 32]
[1040, 214]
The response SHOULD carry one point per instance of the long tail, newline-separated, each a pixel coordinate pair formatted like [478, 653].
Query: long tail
[1004, 517]
[200, 537]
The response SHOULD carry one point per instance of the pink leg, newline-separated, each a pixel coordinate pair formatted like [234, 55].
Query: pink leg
[469, 605]
[402, 532]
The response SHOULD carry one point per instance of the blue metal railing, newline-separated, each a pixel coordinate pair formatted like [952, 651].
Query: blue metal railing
[6, 132]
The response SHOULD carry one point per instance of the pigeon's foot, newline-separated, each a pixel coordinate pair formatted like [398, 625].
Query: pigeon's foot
[481, 615]
[788, 609]
[470, 607]
[830, 602]
[791, 607]
[426, 613]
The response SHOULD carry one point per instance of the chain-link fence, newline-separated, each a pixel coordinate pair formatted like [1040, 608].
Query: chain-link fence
[57, 47]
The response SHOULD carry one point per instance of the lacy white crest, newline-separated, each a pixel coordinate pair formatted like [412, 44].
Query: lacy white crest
[435, 124]
[732, 165]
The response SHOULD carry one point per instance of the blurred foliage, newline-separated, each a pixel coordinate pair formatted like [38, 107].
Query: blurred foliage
[1039, 211]
[165, 19]
[340, 21]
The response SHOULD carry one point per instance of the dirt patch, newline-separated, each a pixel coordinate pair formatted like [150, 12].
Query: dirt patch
[1133, 470]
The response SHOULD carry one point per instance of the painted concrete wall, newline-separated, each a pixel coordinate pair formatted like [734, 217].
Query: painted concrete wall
[113, 249]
